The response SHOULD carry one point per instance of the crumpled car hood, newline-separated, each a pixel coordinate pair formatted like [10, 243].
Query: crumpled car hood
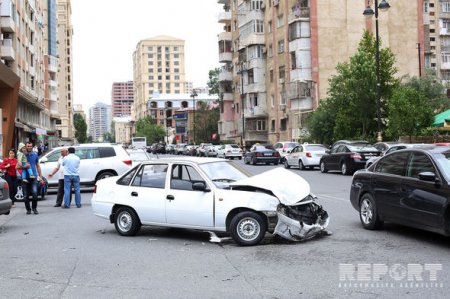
[288, 187]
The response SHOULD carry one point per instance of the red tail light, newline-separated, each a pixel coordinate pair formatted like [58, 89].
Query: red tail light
[128, 162]
[355, 156]
[258, 155]
[277, 154]
[308, 154]
[6, 186]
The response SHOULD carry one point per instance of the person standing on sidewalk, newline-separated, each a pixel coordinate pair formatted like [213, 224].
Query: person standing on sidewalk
[71, 164]
[9, 168]
[59, 168]
[31, 188]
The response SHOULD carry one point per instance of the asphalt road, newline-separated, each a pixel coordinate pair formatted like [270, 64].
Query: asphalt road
[73, 254]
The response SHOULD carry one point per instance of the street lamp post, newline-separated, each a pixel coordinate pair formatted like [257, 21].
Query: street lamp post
[241, 72]
[368, 12]
[193, 95]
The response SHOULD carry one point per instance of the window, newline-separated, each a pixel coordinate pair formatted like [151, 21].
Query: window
[256, 4]
[150, 55]
[183, 176]
[261, 125]
[393, 164]
[445, 6]
[293, 61]
[53, 157]
[250, 75]
[258, 26]
[280, 46]
[272, 126]
[283, 124]
[419, 163]
[149, 48]
[269, 26]
[270, 51]
[280, 21]
[151, 176]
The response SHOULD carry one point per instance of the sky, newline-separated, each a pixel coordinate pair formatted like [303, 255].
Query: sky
[106, 33]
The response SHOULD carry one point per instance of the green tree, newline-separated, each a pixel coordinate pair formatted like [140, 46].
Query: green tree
[213, 82]
[146, 127]
[108, 137]
[409, 112]
[352, 93]
[80, 128]
[206, 120]
[320, 122]
[433, 90]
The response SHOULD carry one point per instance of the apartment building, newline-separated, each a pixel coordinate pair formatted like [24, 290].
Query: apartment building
[278, 55]
[158, 65]
[100, 119]
[64, 123]
[122, 96]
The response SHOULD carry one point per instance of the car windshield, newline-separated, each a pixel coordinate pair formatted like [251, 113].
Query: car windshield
[362, 148]
[443, 160]
[138, 156]
[316, 148]
[224, 172]
[290, 145]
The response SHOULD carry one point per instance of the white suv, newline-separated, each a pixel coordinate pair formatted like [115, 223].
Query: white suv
[97, 161]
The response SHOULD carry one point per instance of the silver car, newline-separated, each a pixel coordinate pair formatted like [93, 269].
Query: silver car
[305, 155]
[5, 201]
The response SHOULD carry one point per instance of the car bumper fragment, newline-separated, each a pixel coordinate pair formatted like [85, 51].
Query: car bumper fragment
[301, 222]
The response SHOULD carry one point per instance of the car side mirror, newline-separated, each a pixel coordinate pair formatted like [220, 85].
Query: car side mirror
[43, 160]
[200, 186]
[428, 177]
[327, 151]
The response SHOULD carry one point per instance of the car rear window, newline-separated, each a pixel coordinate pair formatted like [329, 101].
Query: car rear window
[362, 148]
[290, 145]
[106, 152]
[315, 148]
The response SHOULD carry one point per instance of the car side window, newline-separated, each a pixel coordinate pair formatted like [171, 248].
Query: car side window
[183, 176]
[125, 180]
[334, 150]
[393, 164]
[105, 152]
[151, 176]
[418, 163]
[53, 157]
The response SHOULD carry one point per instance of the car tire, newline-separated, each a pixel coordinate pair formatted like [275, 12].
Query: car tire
[127, 222]
[105, 174]
[246, 161]
[301, 166]
[240, 158]
[368, 213]
[247, 228]
[344, 169]
[323, 168]
[286, 164]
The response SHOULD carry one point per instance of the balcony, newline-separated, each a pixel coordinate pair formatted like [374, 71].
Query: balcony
[7, 24]
[227, 96]
[225, 17]
[224, 36]
[225, 74]
[54, 97]
[444, 31]
[54, 108]
[254, 112]
[53, 83]
[445, 66]
[52, 64]
[7, 51]
[298, 13]
[225, 57]
[298, 89]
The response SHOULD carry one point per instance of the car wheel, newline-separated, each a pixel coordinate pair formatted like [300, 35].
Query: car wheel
[323, 169]
[127, 223]
[286, 164]
[240, 158]
[368, 213]
[344, 169]
[301, 166]
[247, 228]
[105, 174]
[246, 160]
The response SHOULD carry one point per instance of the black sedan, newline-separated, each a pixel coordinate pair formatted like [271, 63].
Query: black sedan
[347, 157]
[262, 154]
[408, 187]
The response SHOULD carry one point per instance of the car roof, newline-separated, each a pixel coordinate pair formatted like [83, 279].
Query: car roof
[429, 148]
[197, 160]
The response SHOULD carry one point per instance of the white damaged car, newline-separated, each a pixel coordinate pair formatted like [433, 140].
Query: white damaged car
[212, 195]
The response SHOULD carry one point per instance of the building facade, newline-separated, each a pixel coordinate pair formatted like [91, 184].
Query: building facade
[158, 65]
[122, 97]
[99, 121]
[278, 55]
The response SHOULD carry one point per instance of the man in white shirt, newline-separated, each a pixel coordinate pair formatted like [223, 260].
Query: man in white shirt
[60, 168]
[71, 164]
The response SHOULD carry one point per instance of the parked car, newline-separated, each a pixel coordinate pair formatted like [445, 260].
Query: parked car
[347, 157]
[284, 148]
[262, 154]
[383, 146]
[229, 151]
[170, 149]
[202, 148]
[305, 155]
[394, 148]
[442, 143]
[97, 161]
[5, 201]
[180, 148]
[139, 156]
[210, 194]
[410, 187]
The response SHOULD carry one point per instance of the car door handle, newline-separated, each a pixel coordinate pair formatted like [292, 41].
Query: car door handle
[170, 197]
[134, 193]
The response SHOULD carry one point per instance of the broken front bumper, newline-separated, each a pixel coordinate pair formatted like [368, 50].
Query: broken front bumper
[301, 222]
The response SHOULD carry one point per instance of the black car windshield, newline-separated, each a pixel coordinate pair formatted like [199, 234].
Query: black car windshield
[443, 160]
[224, 172]
[263, 147]
[362, 148]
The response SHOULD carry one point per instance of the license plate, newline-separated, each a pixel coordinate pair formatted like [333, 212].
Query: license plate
[268, 155]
